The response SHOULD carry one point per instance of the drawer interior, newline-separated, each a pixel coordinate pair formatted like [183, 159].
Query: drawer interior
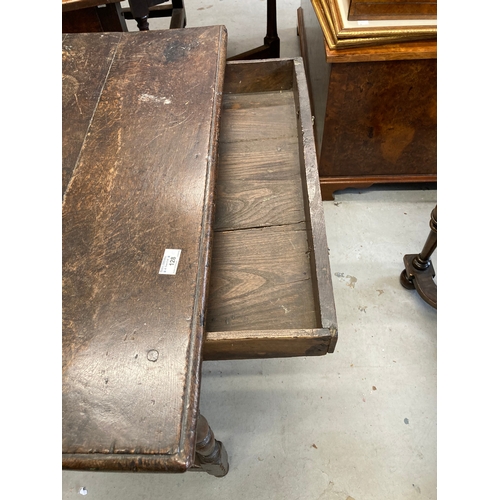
[263, 296]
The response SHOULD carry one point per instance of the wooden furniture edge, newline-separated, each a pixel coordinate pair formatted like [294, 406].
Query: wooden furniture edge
[389, 52]
[315, 219]
[267, 343]
[126, 462]
[191, 406]
[301, 32]
[331, 184]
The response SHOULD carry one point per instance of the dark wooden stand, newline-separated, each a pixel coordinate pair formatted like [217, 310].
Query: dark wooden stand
[271, 47]
[142, 10]
[374, 109]
[418, 273]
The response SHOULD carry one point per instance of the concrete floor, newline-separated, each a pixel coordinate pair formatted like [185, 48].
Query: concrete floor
[359, 424]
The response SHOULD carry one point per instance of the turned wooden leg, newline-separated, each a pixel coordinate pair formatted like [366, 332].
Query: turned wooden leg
[272, 39]
[211, 455]
[178, 15]
[140, 12]
[419, 272]
[271, 47]
[142, 23]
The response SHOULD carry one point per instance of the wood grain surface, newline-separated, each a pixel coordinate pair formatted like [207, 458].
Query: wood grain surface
[381, 118]
[315, 217]
[81, 91]
[248, 344]
[261, 275]
[264, 299]
[143, 182]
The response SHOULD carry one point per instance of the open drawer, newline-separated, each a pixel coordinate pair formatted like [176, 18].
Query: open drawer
[270, 289]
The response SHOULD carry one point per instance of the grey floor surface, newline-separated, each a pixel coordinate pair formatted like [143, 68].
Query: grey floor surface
[359, 424]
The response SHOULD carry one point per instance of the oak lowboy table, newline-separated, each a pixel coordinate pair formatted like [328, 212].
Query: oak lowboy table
[192, 229]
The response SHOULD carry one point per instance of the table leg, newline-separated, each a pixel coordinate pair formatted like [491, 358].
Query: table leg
[210, 454]
[419, 272]
[178, 20]
[272, 39]
[143, 10]
[271, 47]
[140, 12]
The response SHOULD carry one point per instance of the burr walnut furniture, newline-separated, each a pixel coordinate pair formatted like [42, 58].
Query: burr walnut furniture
[167, 146]
[374, 108]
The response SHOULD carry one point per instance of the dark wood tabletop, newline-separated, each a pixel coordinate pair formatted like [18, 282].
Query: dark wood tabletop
[140, 132]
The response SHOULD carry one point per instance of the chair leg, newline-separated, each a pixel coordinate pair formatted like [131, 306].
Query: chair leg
[178, 15]
[142, 23]
[272, 39]
[140, 12]
[271, 47]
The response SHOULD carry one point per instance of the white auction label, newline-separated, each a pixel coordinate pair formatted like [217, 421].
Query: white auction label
[170, 261]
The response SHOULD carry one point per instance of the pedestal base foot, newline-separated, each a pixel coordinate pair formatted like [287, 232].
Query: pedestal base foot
[420, 280]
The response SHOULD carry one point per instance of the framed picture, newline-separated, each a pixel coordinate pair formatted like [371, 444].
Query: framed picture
[364, 10]
[340, 33]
